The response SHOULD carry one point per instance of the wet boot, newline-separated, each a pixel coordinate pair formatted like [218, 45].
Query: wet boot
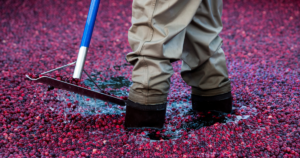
[139, 116]
[220, 103]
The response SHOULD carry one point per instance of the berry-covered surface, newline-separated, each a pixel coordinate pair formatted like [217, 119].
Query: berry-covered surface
[262, 47]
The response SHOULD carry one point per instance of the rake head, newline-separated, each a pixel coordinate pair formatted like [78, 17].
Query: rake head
[77, 89]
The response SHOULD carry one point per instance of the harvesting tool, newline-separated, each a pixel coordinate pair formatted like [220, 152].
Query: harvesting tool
[85, 42]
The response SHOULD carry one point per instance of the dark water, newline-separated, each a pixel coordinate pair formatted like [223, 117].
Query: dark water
[207, 119]
[115, 83]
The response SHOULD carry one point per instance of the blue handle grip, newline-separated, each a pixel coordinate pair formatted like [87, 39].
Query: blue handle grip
[89, 25]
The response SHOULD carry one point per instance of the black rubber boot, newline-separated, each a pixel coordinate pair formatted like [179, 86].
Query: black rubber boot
[221, 103]
[140, 116]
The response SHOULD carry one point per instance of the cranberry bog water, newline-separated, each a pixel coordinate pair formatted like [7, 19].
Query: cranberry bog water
[262, 48]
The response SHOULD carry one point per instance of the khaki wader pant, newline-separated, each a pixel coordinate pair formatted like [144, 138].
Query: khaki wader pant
[164, 31]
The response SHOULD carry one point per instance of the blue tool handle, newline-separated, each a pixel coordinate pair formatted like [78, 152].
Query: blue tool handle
[86, 38]
[89, 25]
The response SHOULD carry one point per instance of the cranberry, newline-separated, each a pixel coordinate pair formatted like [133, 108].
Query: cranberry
[35, 122]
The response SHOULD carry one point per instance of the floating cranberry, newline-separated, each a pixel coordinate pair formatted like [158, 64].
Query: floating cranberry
[69, 105]
[259, 120]
[262, 58]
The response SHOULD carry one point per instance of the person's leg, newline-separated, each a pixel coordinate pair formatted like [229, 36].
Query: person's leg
[156, 38]
[204, 66]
